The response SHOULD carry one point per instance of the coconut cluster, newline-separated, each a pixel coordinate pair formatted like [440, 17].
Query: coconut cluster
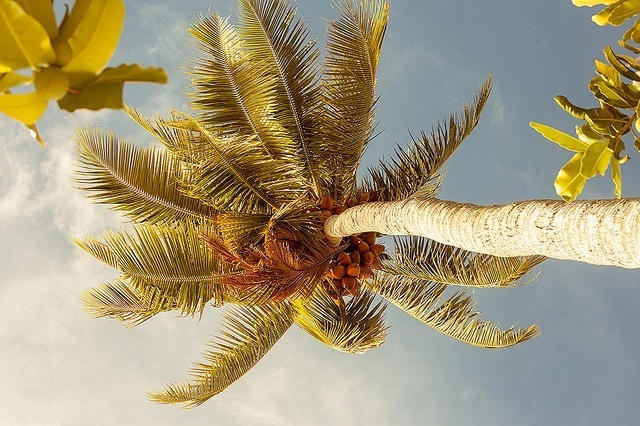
[356, 261]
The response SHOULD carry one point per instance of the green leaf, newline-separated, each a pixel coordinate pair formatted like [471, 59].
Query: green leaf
[42, 11]
[24, 107]
[92, 30]
[11, 79]
[105, 90]
[24, 42]
[595, 159]
[616, 176]
[570, 182]
[564, 140]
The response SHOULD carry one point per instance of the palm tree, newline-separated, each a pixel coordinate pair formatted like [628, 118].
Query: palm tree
[232, 208]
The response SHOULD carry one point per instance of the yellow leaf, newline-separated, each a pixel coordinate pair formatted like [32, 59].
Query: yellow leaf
[595, 159]
[592, 3]
[105, 90]
[564, 140]
[624, 11]
[96, 27]
[134, 72]
[616, 176]
[572, 109]
[570, 182]
[42, 11]
[11, 79]
[617, 12]
[25, 43]
[632, 33]
[24, 107]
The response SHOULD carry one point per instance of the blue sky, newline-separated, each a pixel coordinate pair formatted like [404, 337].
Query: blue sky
[59, 366]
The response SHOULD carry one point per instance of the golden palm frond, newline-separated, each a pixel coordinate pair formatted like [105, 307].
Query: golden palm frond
[234, 172]
[120, 301]
[454, 317]
[417, 257]
[276, 44]
[414, 171]
[247, 335]
[174, 138]
[354, 43]
[142, 183]
[235, 92]
[354, 327]
[170, 262]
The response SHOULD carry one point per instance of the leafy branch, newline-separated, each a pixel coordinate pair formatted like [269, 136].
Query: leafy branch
[600, 140]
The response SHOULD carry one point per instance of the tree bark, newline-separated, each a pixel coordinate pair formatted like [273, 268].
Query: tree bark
[600, 232]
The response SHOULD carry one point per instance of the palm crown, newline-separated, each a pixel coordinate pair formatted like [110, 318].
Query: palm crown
[229, 210]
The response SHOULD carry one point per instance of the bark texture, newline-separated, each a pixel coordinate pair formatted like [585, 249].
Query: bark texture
[600, 232]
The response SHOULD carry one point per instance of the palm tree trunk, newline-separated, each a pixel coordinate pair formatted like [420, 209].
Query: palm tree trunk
[601, 232]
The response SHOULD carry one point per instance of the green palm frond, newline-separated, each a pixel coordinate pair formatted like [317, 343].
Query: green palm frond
[354, 42]
[417, 257]
[120, 301]
[354, 327]
[415, 170]
[142, 183]
[454, 317]
[172, 262]
[233, 173]
[276, 43]
[246, 336]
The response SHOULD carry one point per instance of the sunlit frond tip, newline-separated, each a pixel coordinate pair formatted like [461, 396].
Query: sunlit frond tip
[246, 336]
[454, 317]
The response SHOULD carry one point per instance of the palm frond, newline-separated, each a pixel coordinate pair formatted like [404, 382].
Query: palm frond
[168, 262]
[140, 183]
[276, 43]
[417, 257]
[246, 336]
[352, 328]
[172, 137]
[236, 95]
[120, 301]
[238, 229]
[234, 173]
[454, 317]
[354, 43]
[415, 170]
